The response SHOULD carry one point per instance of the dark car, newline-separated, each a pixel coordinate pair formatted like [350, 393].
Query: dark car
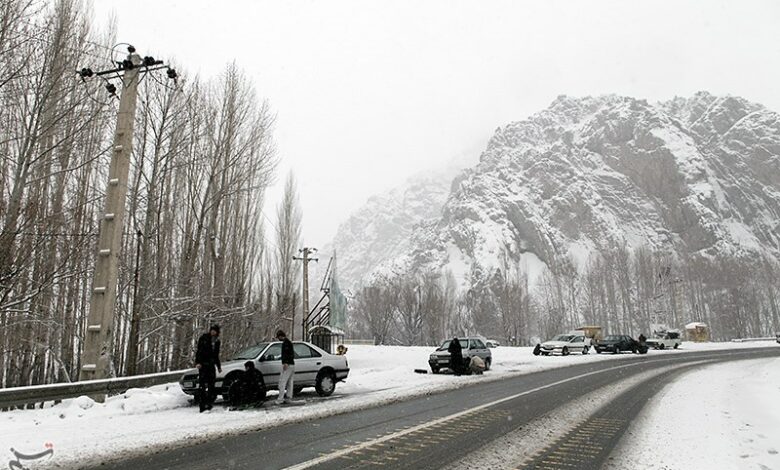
[619, 343]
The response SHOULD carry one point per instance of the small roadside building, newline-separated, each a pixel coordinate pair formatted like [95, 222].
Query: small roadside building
[595, 333]
[326, 337]
[697, 332]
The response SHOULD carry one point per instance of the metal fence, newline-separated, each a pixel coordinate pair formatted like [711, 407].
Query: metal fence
[34, 394]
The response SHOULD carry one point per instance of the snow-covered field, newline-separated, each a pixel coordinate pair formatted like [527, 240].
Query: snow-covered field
[725, 416]
[81, 430]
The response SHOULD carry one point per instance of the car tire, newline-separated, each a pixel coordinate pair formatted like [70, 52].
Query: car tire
[537, 349]
[565, 351]
[435, 370]
[676, 345]
[488, 361]
[325, 383]
[662, 346]
[598, 351]
[585, 350]
[615, 350]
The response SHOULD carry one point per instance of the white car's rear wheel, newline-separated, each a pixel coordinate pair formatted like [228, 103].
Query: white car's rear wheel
[325, 384]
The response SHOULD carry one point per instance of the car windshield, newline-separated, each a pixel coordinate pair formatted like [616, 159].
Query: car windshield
[612, 338]
[464, 344]
[250, 353]
[563, 338]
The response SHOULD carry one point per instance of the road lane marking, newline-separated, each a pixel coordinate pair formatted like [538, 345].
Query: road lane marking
[431, 424]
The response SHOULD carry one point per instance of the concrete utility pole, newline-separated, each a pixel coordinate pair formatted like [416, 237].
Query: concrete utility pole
[306, 251]
[96, 359]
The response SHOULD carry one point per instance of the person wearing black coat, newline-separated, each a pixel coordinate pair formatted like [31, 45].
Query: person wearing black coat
[286, 378]
[456, 356]
[207, 362]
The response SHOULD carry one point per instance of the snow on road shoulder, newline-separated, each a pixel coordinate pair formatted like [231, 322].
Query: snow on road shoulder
[721, 417]
[157, 417]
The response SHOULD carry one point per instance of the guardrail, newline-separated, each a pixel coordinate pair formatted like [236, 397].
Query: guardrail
[22, 396]
[747, 340]
[363, 342]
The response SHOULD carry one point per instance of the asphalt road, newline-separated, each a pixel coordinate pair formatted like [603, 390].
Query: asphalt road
[432, 431]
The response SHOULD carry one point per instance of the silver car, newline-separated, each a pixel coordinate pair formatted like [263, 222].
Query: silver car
[313, 368]
[471, 346]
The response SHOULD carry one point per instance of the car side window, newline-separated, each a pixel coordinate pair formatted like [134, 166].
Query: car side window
[274, 353]
[314, 352]
[301, 351]
[578, 339]
[477, 344]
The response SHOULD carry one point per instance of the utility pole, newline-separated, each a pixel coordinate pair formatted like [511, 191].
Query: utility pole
[96, 360]
[306, 252]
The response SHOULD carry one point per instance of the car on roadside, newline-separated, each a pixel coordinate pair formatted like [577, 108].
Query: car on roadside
[314, 367]
[491, 343]
[665, 340]
[619, 343]
[564, 345]
[471, 346]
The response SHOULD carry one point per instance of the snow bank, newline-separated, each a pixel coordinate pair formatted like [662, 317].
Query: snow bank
[721, 417]
[159, 416]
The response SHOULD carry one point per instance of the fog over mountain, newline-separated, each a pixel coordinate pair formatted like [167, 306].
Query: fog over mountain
[697, 176]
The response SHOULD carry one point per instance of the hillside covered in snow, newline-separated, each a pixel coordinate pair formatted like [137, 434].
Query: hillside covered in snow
[696, 176]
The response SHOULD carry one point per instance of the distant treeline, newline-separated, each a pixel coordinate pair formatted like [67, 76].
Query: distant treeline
[622, 290]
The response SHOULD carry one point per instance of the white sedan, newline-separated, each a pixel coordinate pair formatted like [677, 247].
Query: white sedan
[564, 345]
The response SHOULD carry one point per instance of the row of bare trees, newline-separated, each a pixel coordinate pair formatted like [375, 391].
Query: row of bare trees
[196, 249]
[622, 290]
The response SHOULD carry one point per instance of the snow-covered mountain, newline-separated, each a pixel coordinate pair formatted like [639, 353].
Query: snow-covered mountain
[382, 228]
[697, 175]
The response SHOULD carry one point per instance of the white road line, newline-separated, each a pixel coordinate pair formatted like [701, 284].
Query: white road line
[342, 452]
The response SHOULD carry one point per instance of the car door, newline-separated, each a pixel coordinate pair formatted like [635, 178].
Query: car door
[307, 363]
[271, 364]
[479, 349]
[577, 343]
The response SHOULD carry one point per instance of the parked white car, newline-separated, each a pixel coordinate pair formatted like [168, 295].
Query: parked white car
[314, 367]
[665, 340]
[564, 345]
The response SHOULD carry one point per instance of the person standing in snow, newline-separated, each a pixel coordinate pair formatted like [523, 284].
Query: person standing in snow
[456, 356]
[207, 362]
[288, 369]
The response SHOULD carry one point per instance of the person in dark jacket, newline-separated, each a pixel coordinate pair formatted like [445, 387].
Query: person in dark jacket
[249, 388]
[456, 356]
[286, 378]
[207, 362]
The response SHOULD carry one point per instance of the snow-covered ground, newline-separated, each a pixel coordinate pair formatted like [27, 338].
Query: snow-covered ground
[725, 416]
[81, 430]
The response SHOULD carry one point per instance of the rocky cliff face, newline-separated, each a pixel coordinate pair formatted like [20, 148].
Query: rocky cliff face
[697, 175]
[382, 229]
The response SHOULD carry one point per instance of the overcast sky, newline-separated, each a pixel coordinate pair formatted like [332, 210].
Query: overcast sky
[368, 93]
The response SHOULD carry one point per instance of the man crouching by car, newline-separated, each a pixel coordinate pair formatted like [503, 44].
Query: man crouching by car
[207, 362]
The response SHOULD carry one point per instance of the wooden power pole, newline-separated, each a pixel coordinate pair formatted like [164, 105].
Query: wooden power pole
[96, 359]
[306, 252]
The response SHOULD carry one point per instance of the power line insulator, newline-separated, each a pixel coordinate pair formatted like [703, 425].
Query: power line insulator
[172, 74]
[111, 89]
[86, 72]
